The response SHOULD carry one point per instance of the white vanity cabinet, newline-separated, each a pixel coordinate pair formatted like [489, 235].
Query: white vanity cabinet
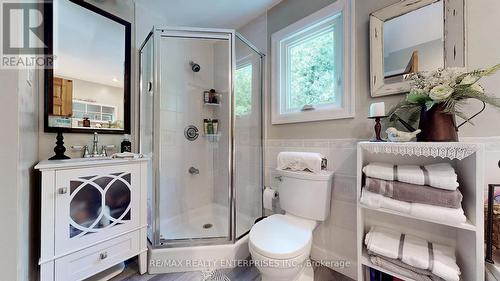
[93, 216]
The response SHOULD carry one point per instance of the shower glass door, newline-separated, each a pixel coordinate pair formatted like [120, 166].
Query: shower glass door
[248, 178]
[194, 131]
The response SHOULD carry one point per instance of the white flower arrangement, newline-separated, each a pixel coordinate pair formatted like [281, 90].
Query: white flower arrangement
[450, 87]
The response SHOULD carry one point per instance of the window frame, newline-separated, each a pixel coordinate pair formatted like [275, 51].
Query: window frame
[310, 26]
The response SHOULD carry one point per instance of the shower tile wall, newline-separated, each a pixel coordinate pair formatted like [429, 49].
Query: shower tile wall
[182, 105]
[333, 239]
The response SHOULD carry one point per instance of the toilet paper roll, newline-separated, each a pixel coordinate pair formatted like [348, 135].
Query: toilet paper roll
[268, 197]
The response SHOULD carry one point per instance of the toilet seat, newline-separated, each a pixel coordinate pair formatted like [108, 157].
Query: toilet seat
[282, 237]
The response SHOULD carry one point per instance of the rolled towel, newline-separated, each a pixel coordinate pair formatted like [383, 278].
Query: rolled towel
[440, 175]
[414, 251]
[300, 161]
[417, 210]
[412, 193]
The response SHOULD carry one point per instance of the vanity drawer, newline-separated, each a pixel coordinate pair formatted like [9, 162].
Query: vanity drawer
[92, 260]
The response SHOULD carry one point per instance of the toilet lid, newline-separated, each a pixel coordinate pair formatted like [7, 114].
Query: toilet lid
[281, 237]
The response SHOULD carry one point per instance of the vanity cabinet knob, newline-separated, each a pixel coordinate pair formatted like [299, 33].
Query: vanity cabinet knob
[62, 190]
[103, 255]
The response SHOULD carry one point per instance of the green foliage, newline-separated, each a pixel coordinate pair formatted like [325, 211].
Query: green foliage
[312, 71]
[243, 90]
[417, 97]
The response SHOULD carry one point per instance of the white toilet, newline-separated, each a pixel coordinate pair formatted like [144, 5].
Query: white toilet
[280, 244]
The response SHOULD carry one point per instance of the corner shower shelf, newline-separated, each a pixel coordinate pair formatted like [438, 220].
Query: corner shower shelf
[212, 137]
[467, 238]
[211, 104]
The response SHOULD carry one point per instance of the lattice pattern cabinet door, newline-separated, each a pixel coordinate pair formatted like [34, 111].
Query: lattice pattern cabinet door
[93, 203]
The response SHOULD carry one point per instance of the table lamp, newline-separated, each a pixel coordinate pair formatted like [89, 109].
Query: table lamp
[377, 112]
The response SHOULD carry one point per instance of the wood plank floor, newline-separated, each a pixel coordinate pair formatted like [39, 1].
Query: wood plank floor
[236, 274]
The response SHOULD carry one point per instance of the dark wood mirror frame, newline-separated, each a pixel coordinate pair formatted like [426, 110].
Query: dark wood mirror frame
[49, 74]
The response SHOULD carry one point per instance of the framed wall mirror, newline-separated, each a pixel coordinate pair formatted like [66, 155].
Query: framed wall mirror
[412, 36]
[88, 89]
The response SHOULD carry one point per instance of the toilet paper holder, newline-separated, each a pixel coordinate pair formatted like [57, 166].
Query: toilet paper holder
[276, 195]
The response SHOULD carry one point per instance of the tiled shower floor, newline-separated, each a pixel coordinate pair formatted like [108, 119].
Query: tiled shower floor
[205, 222]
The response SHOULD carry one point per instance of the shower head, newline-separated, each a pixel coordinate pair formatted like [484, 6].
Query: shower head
[194, 66]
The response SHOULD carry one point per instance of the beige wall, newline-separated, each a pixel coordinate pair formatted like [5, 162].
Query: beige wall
[336, 139]
[483, 39]
[290, 11]
[482, 45]
[18, 153]
[8, 171]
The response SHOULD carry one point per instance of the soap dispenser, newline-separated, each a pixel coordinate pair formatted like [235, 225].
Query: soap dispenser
[126, 145]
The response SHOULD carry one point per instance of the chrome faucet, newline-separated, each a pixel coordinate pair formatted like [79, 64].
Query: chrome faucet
[95, 146]
[95, 152]
[95, 149]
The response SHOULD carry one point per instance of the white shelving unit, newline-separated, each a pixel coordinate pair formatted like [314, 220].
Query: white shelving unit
[467, 238]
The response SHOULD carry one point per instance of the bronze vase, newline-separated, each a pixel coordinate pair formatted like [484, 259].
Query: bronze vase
[437, 125]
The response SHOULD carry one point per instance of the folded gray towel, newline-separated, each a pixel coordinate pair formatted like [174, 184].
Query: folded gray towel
[412, 193]
[401, 268]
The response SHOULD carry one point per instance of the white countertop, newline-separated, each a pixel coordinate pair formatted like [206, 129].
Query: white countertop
[84, 162]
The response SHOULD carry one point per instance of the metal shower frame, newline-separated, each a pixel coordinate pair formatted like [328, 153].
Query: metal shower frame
[207, 33]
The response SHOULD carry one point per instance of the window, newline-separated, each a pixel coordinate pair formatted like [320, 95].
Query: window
[243, 90]
[95, 112]
[312, 67]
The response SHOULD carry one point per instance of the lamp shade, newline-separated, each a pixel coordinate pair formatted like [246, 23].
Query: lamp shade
[377, 109]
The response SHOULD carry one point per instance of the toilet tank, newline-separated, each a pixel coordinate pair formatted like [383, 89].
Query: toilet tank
[305, 194]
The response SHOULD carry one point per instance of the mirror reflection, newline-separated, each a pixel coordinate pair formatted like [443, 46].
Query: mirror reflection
[89, 76]
[414, 42]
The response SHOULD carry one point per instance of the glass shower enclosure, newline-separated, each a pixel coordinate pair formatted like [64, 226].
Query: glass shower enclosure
[201, 123]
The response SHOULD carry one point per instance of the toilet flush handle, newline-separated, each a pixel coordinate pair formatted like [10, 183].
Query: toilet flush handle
[279, 178]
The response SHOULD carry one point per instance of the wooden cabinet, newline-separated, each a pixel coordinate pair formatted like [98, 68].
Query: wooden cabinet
[62, 97]
[93, 216]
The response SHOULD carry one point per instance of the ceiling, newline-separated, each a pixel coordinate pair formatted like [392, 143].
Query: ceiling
[90, 47]
[205, 13]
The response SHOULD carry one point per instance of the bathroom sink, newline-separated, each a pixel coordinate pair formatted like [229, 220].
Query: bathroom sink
[87, 159]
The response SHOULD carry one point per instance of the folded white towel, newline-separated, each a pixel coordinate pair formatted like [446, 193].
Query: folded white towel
[300, 161]
[413, 251]
[440, 175]
[417, 210]
[127, 155]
